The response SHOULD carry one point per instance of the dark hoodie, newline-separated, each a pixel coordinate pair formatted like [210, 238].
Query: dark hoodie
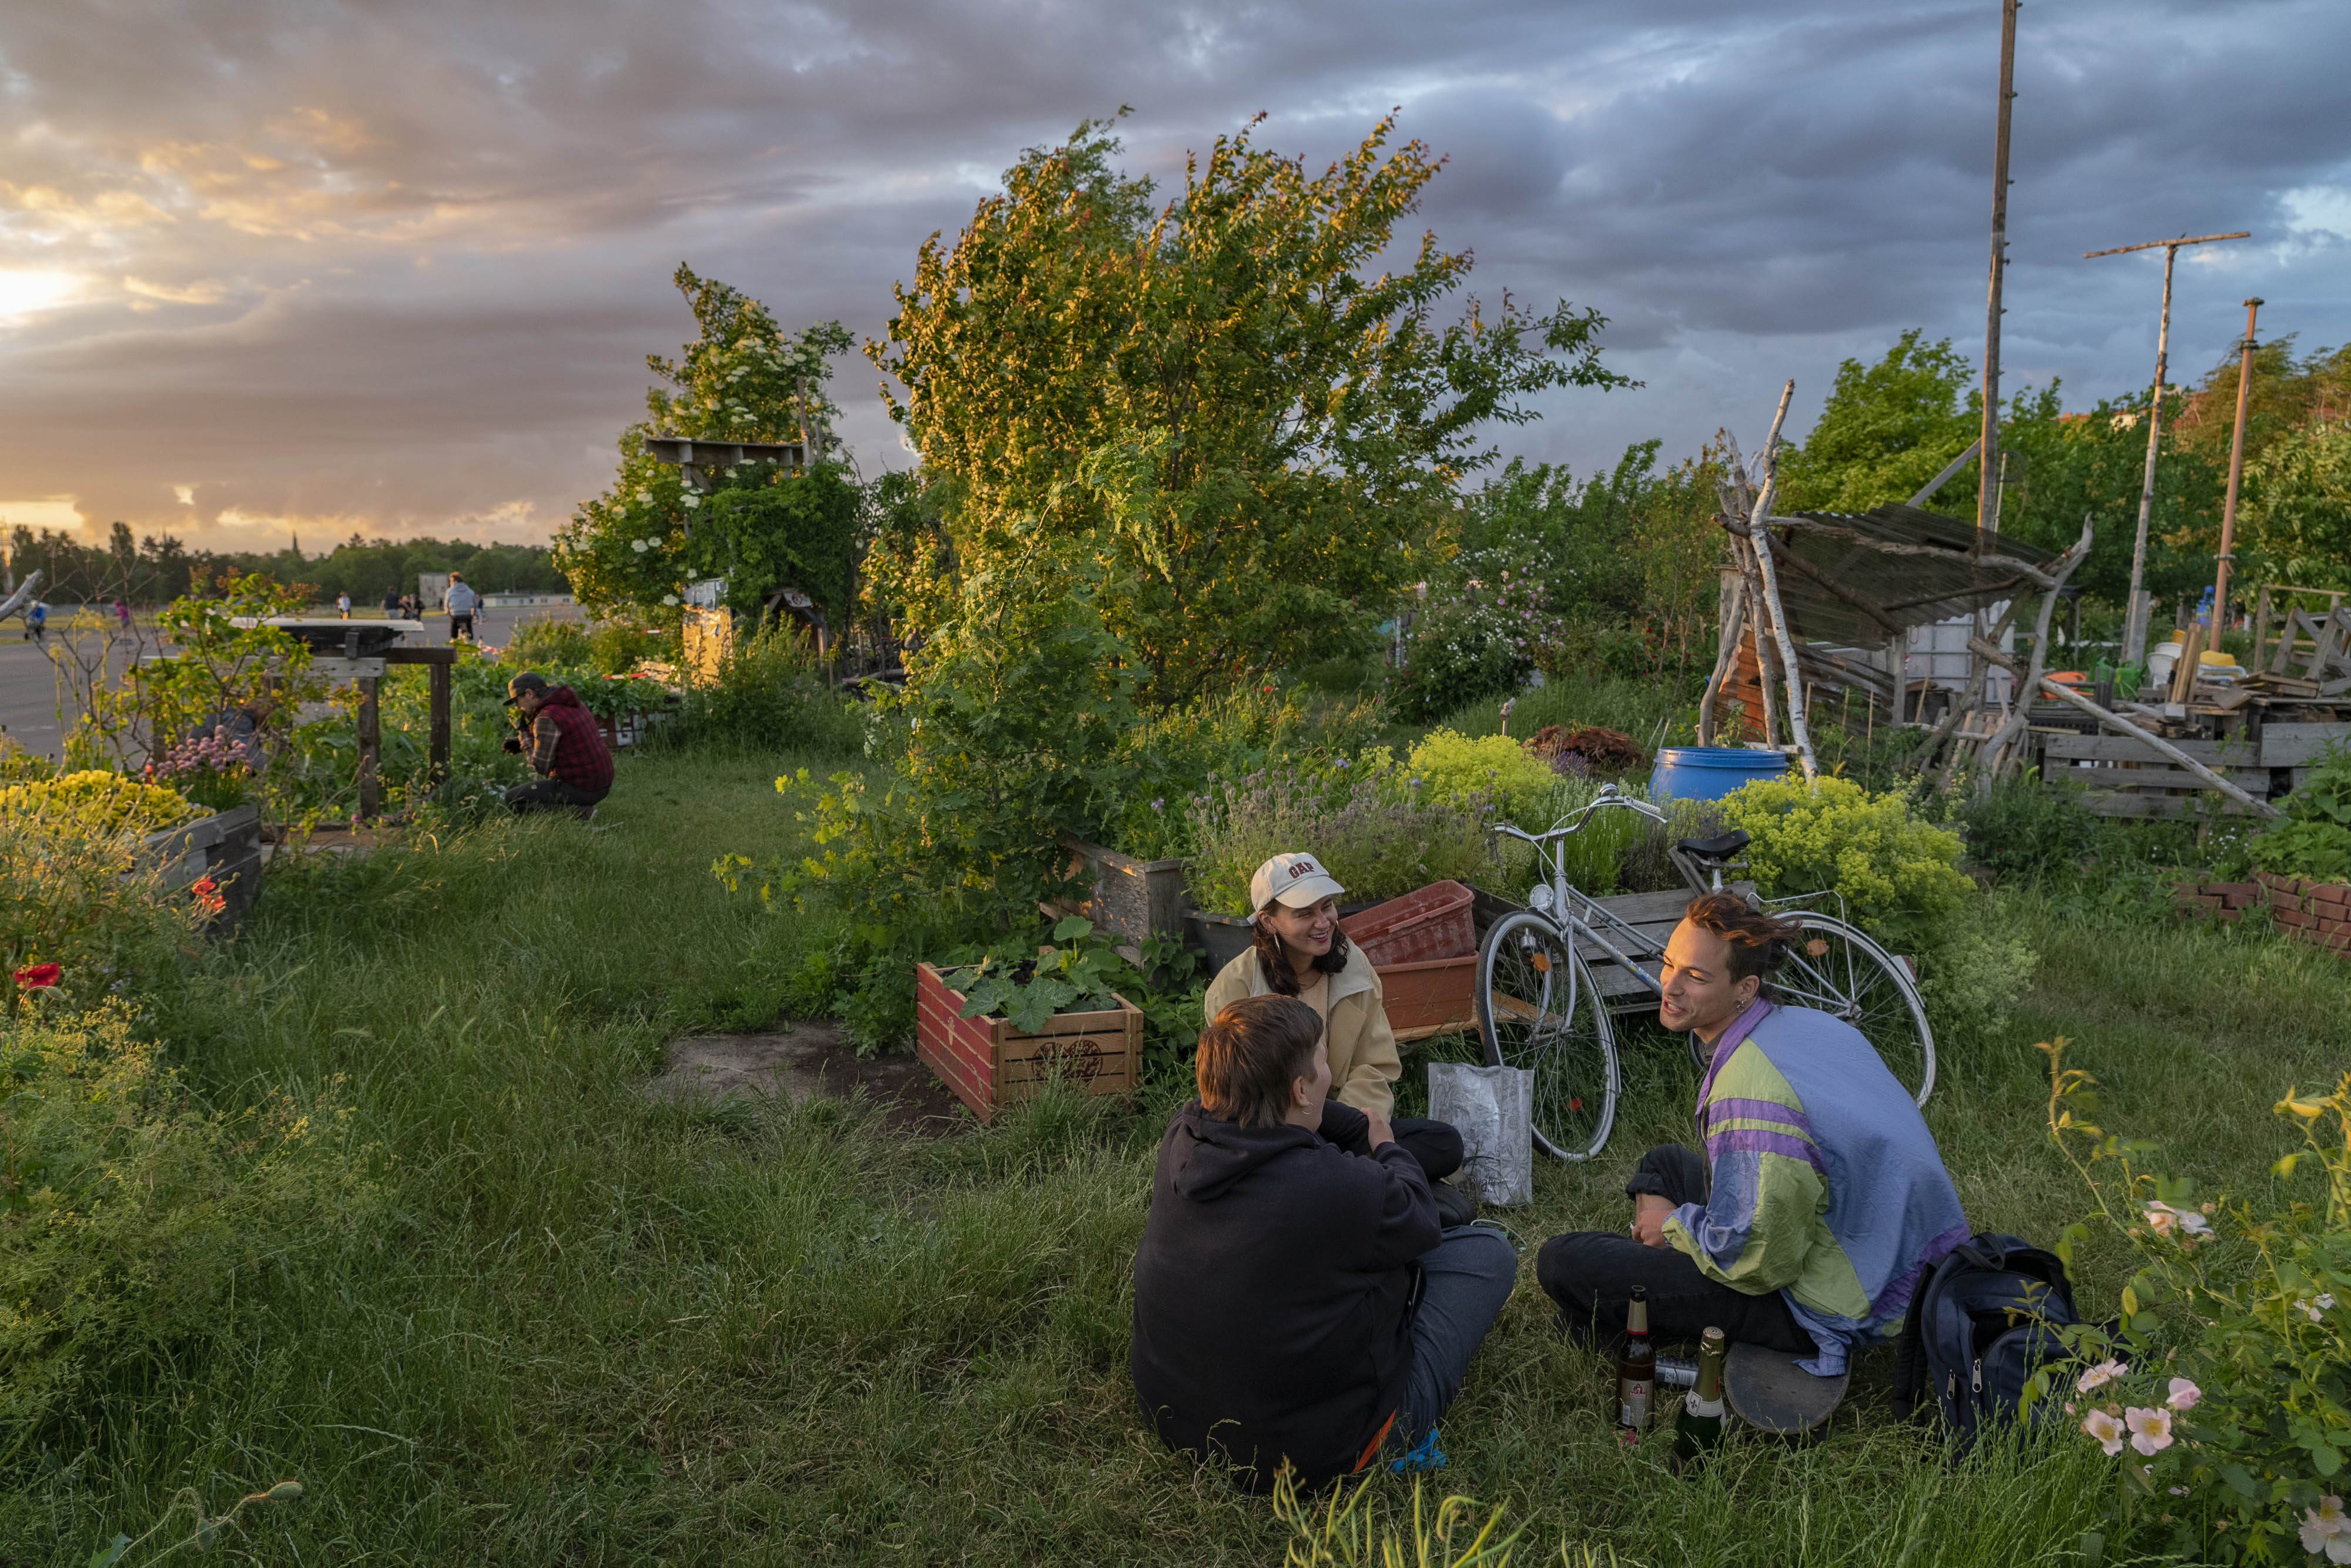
[1273, 1294]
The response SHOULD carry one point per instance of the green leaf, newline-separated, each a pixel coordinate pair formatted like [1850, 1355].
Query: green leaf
[108, 1555]
[1073, 928]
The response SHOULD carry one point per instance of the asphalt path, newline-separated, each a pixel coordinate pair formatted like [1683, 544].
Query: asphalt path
[30, 692]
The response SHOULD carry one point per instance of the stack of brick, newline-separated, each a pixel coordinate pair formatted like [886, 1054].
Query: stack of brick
[2318, 912]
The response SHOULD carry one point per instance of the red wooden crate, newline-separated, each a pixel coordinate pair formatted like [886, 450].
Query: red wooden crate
[1433, 923]
[1431, 996]
[989, 1064]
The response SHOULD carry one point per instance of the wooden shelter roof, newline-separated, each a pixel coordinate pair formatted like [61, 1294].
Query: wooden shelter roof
[1861, 579]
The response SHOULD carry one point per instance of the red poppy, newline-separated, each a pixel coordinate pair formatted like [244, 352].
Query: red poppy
[208, 895]
[37, 976]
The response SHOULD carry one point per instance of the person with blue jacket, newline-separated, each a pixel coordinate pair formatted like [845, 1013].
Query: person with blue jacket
[1821, 1200]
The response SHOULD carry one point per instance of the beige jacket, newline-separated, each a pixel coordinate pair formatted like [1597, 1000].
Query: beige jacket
[1363, 1062]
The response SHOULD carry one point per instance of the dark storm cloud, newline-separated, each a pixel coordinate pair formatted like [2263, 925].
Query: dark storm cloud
[399, 265]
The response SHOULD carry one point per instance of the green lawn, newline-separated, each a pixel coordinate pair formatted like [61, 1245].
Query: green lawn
[592, 1329]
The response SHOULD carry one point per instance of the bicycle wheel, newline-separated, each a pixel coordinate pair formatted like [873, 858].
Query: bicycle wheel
[1537, 1009]
[1842, 973]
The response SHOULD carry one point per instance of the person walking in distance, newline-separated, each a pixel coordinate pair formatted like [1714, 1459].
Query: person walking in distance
[36, 623]
[462, 601]
[343, 605]
[563, 745]
[392, 604]
[122, 618]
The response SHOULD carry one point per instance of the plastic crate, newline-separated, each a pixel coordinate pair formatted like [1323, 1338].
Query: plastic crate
[1433, 923]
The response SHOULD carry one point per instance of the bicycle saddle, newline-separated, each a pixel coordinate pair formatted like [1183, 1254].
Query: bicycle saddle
[1720, 848]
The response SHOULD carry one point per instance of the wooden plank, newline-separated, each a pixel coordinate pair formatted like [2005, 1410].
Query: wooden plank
[2253, 780]
[2130, 748]
[2299, 744]
[2104, 804]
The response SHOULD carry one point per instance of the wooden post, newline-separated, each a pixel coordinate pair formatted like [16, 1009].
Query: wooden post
[2236, 477]
[370, 745]
[1987, 492]
[1995, 751]
[1759, 539]
[1731, 615]
[2261, 624]
[437, 754]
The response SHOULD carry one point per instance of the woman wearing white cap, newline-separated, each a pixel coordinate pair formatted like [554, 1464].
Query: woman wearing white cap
[1300, 952]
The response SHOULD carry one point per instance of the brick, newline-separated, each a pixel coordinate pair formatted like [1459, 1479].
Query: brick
[2296, 920]
[2237, 889]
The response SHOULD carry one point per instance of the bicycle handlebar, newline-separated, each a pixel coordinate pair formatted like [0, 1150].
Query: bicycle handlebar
[1607, 797]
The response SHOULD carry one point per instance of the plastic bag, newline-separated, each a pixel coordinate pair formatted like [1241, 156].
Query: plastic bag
[1493, 1108]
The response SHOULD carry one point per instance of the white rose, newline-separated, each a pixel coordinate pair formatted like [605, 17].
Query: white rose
[638, 545]
[692, 502]
[669, 598]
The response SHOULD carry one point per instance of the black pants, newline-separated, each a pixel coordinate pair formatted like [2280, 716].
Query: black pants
[552, 795]
[460, 627]
[1434, 1144]
[1590, 1274]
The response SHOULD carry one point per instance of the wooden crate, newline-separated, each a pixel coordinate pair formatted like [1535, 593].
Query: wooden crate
[1126, 898]
[989, 1065]
[1431, 997]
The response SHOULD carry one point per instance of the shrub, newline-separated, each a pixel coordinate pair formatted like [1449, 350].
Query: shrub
[772, 694]
[1477, 636]
[1897, 874]
[2225, 1373]
[2315, 840]
[616, 647]
[545, 642]
[95, 801]
[80, 900]
[1970, 976]
[1454, 766]
[2025, 830]
[1381, 835]
[129, 1215]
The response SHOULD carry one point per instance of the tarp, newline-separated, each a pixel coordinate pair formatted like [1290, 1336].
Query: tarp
[1859, 579]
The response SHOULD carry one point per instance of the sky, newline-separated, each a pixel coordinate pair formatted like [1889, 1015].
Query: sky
[394, 267]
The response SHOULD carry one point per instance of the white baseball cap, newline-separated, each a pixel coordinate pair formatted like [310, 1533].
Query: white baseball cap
[1294, 880]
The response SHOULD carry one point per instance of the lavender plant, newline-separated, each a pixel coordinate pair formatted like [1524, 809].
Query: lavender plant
[1380, 830]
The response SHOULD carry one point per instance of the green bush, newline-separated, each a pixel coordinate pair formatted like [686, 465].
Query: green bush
[1380, 833]
[2029, 830]
[1453, 766]
[546, 642]
[1897, 873]
[2315, 840]
[129, 1215]
[772, 693]
[81, 900]
[1477, 635]
[2225, 1375]
[616, 647]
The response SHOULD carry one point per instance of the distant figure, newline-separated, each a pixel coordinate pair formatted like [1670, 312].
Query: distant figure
[343, 605]
[36, 623]
[409, 609]
[392, 603]
[122, 617]
[462, 602]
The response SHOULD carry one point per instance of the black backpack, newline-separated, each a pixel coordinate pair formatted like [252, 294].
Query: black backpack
[1982, 1322]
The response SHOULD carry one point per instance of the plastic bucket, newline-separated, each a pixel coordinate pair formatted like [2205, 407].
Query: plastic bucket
[1709, 772]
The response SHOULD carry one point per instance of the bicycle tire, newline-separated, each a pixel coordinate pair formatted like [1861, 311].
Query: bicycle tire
[1842, 973]
[1539, 1009]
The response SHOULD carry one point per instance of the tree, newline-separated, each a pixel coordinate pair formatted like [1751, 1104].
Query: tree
[2299, 519]
[1886, 430]
[637, 544]
[1216, 405]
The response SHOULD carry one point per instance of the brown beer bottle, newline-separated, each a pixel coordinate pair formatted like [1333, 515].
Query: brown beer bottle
[1697, 1431]
[1636, 1371]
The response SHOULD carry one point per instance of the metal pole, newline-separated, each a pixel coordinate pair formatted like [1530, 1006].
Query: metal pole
[2236, 476]
[1987, 500]
[2133, 649]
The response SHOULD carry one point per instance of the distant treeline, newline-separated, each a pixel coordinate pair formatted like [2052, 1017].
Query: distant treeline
[157, 569]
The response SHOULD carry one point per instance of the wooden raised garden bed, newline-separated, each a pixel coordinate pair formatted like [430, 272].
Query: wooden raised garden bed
[224, 846]
[1128, 899]
[989, 1065]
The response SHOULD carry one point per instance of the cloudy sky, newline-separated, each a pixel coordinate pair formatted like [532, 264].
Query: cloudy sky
[393, 266]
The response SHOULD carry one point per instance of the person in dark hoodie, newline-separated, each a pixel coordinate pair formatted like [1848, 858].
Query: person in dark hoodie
[565, 748]
[1296, 1305]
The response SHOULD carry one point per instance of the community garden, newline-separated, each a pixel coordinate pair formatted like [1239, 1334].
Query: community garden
[347, 1231]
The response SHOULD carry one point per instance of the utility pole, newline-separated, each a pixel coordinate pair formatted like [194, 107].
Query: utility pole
[2134, 614]
[2236, 476]
[1987, 493]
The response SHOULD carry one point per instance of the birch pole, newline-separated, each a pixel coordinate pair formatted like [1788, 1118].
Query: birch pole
[1760, 540]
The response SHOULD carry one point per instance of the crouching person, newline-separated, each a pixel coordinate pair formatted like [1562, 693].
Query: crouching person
[1295, 1303]
[560, 737]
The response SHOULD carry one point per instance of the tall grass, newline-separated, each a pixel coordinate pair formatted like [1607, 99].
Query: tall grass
[597, 1330]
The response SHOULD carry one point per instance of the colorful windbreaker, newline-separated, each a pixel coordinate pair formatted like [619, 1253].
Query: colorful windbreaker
[1827, 1186]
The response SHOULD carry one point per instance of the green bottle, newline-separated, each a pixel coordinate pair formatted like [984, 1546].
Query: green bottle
[1697, 1431]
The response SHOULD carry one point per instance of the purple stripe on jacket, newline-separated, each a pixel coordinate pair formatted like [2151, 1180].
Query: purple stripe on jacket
[1761, 1142]
[1761, 1111]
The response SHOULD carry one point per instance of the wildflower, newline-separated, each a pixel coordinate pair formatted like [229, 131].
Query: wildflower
[37, 976]
[669, 598]
[2328, 1529]
[638, 545]
[2315, 1308]
[208, 895]
[692, 502]
[1160, 804]
[2102, 1424]
[2184, 1394]
[2163, 1218]
[2150, 1430]
[2106, 1372]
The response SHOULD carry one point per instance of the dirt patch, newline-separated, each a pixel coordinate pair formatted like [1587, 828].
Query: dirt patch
[804, 1058]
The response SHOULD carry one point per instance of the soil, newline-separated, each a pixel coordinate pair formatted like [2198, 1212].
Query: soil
[805, 1057]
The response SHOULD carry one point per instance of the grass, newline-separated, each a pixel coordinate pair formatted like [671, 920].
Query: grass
[596, 1330]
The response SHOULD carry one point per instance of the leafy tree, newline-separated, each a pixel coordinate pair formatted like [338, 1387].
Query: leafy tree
[1886, 429]
[743, 379]
[1253, 437]
[2299, 521]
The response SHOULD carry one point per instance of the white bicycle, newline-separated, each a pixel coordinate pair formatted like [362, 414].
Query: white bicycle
[1540, 1008]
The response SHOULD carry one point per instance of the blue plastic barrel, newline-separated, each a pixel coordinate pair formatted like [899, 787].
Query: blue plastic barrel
[1709, 772]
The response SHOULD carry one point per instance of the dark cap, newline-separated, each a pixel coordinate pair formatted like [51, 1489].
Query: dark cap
[528, 681]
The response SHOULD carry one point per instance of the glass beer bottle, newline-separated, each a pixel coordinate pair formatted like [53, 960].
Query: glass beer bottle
[1697, 1431]
[1636, 1371]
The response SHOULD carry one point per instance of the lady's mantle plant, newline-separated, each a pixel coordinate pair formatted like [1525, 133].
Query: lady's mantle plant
[2223, 1390]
